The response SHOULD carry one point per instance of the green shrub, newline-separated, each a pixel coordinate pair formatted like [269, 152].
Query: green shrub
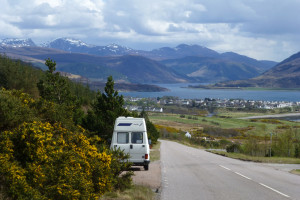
[224, 143]
[121, 176]
[234, 148]
[252, 147]
[15, 108]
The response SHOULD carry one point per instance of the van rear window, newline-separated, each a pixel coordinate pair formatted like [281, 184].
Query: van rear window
[123, 138]
[137, 137]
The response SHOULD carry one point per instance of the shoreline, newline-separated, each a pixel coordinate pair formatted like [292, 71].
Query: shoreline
[207, 87]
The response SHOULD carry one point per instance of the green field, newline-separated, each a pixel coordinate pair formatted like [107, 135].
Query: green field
[224, 120]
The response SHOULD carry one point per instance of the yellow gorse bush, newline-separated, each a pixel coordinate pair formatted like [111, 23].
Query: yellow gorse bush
[167, 128]
[24, 97]
[43, 161]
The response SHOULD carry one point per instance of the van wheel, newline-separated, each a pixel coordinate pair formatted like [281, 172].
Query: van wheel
[146, 167]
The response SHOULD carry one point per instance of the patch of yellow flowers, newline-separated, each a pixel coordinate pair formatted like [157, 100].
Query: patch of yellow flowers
[43, 161]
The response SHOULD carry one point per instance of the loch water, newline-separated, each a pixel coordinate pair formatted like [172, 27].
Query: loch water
[182, 91]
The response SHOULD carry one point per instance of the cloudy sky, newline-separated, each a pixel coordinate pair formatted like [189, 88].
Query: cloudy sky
[262, 29]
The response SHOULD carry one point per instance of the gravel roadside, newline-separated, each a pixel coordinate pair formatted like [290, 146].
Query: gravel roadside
[152, 177]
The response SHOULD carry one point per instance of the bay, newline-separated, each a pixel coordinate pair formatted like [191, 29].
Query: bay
[181, 91]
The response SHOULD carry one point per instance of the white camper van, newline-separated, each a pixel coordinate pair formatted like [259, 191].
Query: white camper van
[130, 135]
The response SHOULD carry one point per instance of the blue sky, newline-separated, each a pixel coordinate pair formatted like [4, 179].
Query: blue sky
[262, 29]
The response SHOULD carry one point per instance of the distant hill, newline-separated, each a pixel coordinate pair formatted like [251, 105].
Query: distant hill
[180, 51]
[224, 67]
[260, 65]
[129, 68]
[133, 69]
[284, 75]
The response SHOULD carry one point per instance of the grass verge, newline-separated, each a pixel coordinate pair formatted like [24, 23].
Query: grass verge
[136, 192]
[296, 171]
[280, 160]
[155, 152]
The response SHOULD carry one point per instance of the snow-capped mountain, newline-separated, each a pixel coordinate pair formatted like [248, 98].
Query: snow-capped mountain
[183, 50]
[68, 44]
[114, 48]
[77, 46]
[9, 42]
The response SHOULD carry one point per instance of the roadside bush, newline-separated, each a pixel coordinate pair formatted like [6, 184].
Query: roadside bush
[224, 143]
[252, 147]
[121, 176]
[43, 161]
[234, 148]
[297, 151]
[284, 143]
[153, 133]
[283, 127]
[271, 121]
[219, 132]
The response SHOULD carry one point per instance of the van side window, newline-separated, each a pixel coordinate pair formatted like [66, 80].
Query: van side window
[123, 138]
[137, 137]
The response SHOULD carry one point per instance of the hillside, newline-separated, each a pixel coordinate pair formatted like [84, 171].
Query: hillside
[133, 69]
[260, 65]
[212, 70]
[284, 75]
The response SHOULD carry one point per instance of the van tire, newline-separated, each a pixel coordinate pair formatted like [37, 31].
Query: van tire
[146, 167]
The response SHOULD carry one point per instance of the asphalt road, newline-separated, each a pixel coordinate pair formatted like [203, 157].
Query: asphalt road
[189, 173]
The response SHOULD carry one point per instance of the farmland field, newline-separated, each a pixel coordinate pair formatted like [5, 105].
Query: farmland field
[224, 120]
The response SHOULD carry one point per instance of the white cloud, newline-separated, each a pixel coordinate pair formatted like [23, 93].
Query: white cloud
[263, 29]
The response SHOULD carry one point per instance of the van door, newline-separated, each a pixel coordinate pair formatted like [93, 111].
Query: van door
[137, 147]
[123, 141]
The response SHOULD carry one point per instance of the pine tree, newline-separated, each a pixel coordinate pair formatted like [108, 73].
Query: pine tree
[107, 107]
[54, 87]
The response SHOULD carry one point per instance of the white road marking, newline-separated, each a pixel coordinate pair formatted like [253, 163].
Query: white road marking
[243, 176]
[225, 167]
[275, 190]
[256, 182]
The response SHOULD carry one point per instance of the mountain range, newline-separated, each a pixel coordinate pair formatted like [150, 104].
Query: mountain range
[286, 74]
[184, 63]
